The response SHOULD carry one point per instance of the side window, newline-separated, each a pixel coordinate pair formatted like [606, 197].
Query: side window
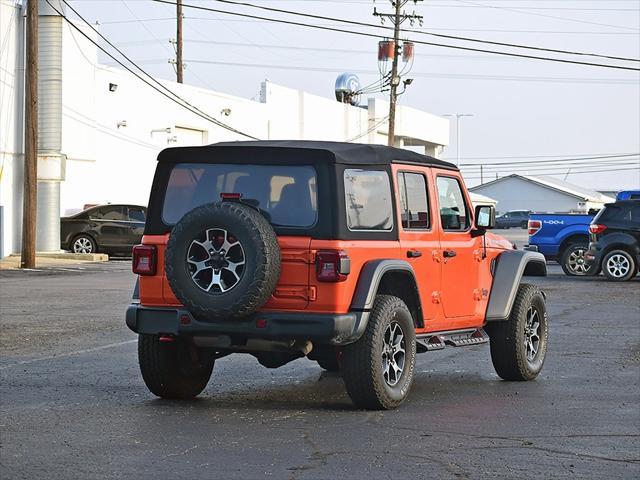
[136, 214]
[453, 210]
[368, 200]
[414, 201]
[115, 213]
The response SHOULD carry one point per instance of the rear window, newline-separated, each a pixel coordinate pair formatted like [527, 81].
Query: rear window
[610, 213]
[367, 195]
[287, 194]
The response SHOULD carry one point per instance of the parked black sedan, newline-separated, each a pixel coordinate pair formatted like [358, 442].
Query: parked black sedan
[105, 228]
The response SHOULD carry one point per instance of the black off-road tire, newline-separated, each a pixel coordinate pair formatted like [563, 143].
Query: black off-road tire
[524, 225]
[508, 346]
[260, 273]
[569, 255]
[362, 362]
[169, 369]
[627, 261]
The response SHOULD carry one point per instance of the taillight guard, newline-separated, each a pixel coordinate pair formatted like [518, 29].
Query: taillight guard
[332, 265]
[534, 226]
[144, 260]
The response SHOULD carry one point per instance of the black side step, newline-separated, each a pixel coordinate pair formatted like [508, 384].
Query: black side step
[437, 341]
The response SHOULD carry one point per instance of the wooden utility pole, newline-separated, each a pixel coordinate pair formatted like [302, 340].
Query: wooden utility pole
[30, 196]
[179, 64]
[395, 79]
[397, 18]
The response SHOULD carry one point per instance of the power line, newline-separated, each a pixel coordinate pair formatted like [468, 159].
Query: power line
[168, 93]
[570, 173]
[518, 10]
[440, 35]
[371, 35]
[523, 78]
[599, 157]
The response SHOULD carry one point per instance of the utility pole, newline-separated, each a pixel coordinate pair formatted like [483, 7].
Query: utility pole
[458, 135]
[179, 64]
[481, 174]
[30, 196]
[397, 18]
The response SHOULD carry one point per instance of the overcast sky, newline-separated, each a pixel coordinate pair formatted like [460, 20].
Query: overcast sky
[553, 110]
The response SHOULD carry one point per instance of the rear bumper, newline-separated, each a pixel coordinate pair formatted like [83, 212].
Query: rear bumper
[334, 329]
[593, 258]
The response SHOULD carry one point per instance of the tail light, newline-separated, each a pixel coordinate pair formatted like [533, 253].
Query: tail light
[332, 266]
[596, 228]
[534, 226]
[144, 259]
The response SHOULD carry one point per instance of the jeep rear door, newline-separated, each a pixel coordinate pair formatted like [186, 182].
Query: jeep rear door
[461, 253]
[419, 239]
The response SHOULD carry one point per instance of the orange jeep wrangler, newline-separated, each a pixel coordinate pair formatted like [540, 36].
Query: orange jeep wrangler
[355, 256]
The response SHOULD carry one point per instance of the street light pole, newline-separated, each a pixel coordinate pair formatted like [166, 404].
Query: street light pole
[458, 135]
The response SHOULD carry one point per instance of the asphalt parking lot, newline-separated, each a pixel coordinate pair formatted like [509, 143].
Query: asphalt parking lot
[73, 405]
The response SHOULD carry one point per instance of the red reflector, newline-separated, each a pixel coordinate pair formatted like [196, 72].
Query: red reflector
[144, 260]
[166, 338]
[534, 226]
[261, 323]
[230, 196]
[596, 228]
[332, 266]
[185, 320]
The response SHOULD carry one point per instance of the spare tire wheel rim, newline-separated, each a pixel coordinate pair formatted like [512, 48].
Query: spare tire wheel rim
[216, 261]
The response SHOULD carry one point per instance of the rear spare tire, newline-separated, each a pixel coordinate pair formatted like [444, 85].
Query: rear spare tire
[223, 261]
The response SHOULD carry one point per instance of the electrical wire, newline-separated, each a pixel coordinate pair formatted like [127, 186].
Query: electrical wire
[168, 93]
[569, 173]
[420, 42]
[536, 162]
[421, 32]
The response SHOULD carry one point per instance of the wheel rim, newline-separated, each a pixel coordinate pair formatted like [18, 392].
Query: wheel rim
[216, 261]
[576, 262]
[618, 265]
[82, 245]
[532, 333]
[393, 354]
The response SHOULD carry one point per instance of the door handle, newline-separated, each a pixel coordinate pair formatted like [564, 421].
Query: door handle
[449, 253]
[414, 253]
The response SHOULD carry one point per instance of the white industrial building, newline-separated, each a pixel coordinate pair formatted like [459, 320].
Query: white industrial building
[540, 194]
[101, 128]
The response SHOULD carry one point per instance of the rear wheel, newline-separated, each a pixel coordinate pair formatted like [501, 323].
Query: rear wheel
[524, 225]
[173, 369]
[378, 368]
[519, 344]
[619, 266]
[573, 262]
[84, 244]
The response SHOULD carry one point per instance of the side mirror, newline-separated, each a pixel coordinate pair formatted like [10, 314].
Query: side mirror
[485, 217]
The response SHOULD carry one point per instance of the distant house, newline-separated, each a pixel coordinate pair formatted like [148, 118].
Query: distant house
[541, 194]
[478, 199]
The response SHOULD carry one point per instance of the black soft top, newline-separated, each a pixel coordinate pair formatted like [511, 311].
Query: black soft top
[331, 152]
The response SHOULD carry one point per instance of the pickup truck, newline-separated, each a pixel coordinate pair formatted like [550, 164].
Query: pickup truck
[563, 237]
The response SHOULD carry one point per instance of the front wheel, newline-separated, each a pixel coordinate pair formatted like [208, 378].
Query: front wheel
[573, 262]
[378, 368]
[619, 266]
[519, 344]
[172, 369]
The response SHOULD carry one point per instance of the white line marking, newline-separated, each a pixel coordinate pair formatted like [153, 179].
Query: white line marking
[68, 354]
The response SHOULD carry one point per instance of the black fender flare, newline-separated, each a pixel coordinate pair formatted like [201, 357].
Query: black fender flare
[367, 287]
[509, 268]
